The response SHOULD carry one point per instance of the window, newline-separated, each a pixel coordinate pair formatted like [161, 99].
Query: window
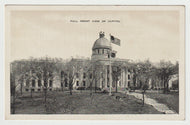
[39, 89]
[102, 51]
[129, 70]
[84, 83]
[128, 83]
[66, 84]
[84, 75]
[33, 71]
[65, 74]
[102, 75]
[105, 51]
[26, 90]
[98, 51]
[39, 83]
[50, 89]
[45, 83]
[27, 83]
[61, 84]
[113, 55]
[77, 83]
[62, 74]
[50, 74]
[77, 75]
[32, 90]
[33, 83]
[129, 77]
[50, 83]
[90, 75]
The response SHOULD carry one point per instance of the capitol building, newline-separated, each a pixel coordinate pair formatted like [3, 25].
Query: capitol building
[103, 62]
[121, 74]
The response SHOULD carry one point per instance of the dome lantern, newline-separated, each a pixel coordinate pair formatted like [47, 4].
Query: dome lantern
[101, 34]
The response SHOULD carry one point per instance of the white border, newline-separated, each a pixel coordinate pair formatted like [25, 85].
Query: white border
[94, 2]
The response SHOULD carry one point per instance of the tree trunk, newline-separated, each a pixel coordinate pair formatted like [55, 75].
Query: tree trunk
[116, 86]
[62, 85]
[13, 93]
[13, 104]
[81, 88]
[45, 95]
[70, 88]
[167, 87]
[143, 98]
[95, 86]
[91, 89]
[31, 93]
[70, 91]
[21, 86]
[164, 91]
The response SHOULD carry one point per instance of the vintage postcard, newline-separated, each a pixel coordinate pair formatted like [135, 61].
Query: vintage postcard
[95, 62]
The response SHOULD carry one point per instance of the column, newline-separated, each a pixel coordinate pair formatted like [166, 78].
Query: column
[48, 83]
[30, 83]
[121, 78]
[100, 82]
[36, 84]
[100, 77]
[53, 86]
[126, 78]
[110, 72]
[106, 76]
[81, 79]
[123, 73]
[24, 82]
[42, 82]
[125, 83]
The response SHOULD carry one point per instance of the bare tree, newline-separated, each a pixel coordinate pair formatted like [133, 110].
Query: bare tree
[165, 70]
[70, 70]
[62, 80]
[144, 88]
[143, 73]
[15, 74]
[94, 69]
[117, 71]
[13, 92]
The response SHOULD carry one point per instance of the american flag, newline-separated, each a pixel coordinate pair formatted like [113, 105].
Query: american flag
[115, 40]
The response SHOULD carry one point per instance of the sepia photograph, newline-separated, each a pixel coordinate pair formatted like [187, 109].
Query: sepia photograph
[95, 62]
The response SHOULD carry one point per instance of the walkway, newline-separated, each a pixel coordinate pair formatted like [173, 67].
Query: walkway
[158, 106]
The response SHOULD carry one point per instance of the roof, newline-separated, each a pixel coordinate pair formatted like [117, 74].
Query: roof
[101, 42]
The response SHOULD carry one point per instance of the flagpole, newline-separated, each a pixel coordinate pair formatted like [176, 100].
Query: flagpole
[110, 71]
[117, 42]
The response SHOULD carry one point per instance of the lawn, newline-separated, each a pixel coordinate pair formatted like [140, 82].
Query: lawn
[81, 103]
[171, 99]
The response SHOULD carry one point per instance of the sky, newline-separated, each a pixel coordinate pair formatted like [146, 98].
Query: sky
[147, 34]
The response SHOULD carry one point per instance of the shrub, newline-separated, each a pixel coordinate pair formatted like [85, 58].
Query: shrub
[105, 91]
[145, 87]
[132, 88]
[93, 88]
[81, 88]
